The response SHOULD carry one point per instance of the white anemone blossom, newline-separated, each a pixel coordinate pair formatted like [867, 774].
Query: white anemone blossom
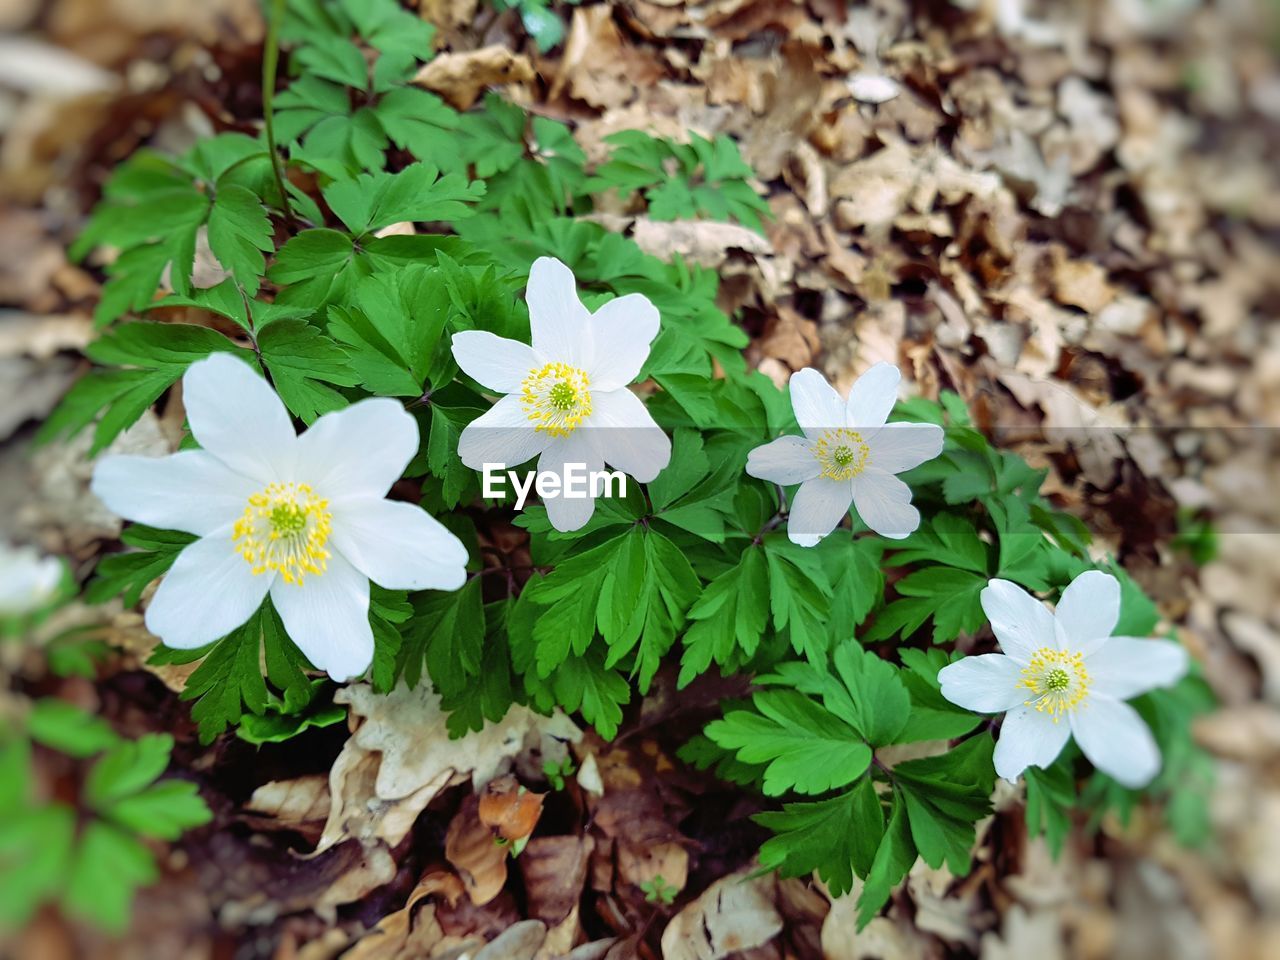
[302, 517]
[848, 455]
[27, 580]
[565, 396]
[1062, 674]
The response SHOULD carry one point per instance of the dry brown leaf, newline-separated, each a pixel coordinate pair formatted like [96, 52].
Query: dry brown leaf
[508, 809]
[554, 871]
[702, 241]
[301, 804]
[479, 857]
[733, 914]
[460, 78]
[400, 756]
[640, 863]
[597, 66]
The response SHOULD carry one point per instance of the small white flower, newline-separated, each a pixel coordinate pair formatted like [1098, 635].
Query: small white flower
[1063, 674]
[27, 580]
[302, 517]
[566, 398]
[848, 455]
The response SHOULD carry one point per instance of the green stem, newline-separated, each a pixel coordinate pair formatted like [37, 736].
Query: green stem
[270, 61]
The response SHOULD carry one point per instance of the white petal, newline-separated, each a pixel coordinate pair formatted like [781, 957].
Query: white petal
[872, 397]
[27, 580]
[1116, 740]
[1088, 611]
[1021, 623]
[819, 505]
[1124, 667]
[817, 406]
[622, 331]
[327, 616]
[898, 447]
[359, 451]
[238, 418]
[786, 460]
[208, 592]
[501, 436]
[492, 361]
[1028, 738]
[559, 322]
[192, 491]
[884, 504]
[623, 431]
[984, 684]
[569, 513]
[398, 545]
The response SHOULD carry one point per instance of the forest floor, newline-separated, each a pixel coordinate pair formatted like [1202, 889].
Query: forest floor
[1069, 215]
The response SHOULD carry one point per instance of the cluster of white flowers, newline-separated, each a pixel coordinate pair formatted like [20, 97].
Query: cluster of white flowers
[306, 519]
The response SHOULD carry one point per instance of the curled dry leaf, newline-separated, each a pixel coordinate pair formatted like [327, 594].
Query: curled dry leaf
[705, 242]
[479, 857]
[301, 804]
[508, 809]
[734, 914]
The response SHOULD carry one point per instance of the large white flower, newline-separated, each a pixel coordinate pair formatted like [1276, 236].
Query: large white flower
[27, 580]
[302, 517]
[565, 397]
[1063, 674]
[848, 455]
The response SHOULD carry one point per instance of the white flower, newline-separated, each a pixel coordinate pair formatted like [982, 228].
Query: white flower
[848, 454]
[566, 398]
[1063, 674]
[27, 580]
[302, 517]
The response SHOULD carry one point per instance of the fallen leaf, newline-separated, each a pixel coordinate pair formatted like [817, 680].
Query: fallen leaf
[460, 78]
[735, 913]
[479, 857]
[508, 809]
[554, 871]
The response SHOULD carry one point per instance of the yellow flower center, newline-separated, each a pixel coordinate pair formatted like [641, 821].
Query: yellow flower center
[284, 529]
[842, 453]
[1057, 680]
[556, 398]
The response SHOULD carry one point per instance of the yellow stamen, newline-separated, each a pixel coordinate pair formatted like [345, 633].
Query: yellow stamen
[556, 398]
[1058, 681]
[284, 529]
[842, 453]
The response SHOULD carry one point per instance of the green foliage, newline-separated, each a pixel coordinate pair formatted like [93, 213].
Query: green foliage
[708, 176]
[335, 299]
[87, 856]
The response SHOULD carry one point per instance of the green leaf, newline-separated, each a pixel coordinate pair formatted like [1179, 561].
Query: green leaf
[799, 596]
[303, 362]
[950, 596]
[126, 575]
[878, 704]
[164, 811]
[36, 846]
[126, 769]
[239, 234]
[945, 796]
[946, 539]
[418, 193]
[1051, 794]
[68, 729]
[106, 870]
[838, 837]
[446, 634]
[729, 617]
[807, 749]
[894, 857]
[933, 717]
[423, 124]
[157, 355]
[230, 680]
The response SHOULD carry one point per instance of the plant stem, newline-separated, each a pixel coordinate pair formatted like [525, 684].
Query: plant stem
[270, 61]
